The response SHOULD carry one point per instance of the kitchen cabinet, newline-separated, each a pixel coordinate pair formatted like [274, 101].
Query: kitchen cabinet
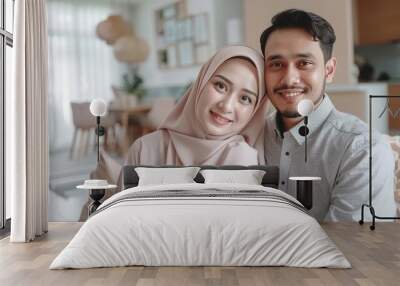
[378, 21]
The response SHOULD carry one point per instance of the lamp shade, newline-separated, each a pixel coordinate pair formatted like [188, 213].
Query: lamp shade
[130, 49]
[305, 107]
[113, 28]
[98, 107]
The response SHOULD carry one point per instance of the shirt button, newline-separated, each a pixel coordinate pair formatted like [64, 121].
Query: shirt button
[287, 153]
[282, 182]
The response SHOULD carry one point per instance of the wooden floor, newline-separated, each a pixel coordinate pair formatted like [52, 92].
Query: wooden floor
[374, 255]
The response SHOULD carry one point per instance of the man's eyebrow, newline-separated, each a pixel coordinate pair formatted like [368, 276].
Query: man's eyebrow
[305, 55]
[274, 57]
[231, 83]
[300, 55]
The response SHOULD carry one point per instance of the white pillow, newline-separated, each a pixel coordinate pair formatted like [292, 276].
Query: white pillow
[162, 176]
[248, 177]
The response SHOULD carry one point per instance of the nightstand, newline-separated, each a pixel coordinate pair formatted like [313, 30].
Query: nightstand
[304, 190]
[97, 189]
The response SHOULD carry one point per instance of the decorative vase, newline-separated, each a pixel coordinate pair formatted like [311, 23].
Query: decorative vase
[132, 100]
[126, 100]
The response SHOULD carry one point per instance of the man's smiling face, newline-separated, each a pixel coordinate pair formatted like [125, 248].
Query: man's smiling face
[295, 69]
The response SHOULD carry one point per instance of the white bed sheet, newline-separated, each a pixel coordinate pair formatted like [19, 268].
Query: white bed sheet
[200, 231]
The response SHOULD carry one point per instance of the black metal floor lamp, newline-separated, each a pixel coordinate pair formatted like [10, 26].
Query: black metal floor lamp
[369, 205]
[98, 108]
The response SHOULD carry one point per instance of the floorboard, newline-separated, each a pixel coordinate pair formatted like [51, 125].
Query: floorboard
[374, 255]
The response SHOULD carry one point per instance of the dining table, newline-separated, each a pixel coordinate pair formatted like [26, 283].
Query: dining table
[124, 113]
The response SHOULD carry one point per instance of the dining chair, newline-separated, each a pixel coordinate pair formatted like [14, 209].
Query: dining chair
[85, 125]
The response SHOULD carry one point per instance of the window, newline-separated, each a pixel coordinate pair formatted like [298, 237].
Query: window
[6, 44]
[9, 16]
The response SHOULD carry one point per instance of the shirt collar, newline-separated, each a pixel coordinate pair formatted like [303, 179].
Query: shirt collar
[315, 120]
[278, 125]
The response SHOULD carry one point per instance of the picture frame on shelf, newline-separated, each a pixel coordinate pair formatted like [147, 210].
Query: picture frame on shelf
[186, 53]
[170, 28]
[172, 56]
[201, 28]
[181, 39]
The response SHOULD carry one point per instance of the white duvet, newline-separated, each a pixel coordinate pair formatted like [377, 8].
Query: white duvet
[207, 230]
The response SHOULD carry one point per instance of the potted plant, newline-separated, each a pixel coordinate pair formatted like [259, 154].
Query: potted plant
[132, 85]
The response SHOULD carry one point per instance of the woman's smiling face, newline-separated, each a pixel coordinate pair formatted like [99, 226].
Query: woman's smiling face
[228, 99]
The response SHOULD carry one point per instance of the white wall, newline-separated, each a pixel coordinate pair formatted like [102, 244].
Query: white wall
[225, 10]
[218, 12]
[258, 14]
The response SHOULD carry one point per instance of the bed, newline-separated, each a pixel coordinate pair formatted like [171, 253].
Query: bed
[201, 224]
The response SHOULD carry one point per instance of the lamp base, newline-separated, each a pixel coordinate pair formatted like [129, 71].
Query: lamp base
[96, 195]
[304, 190]
[304, 193]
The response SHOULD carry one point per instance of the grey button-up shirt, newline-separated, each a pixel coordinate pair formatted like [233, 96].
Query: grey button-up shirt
[338, 152]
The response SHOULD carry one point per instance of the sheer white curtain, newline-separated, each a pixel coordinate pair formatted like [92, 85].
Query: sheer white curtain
[81, 66]
[26, 117]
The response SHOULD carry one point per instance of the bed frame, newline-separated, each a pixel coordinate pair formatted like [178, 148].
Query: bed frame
[130, 178]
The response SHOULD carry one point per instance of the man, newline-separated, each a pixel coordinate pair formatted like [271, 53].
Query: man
[298, 64]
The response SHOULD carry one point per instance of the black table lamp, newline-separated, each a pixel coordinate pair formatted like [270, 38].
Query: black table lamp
[304, 108]
[304, 188]
[98, 108]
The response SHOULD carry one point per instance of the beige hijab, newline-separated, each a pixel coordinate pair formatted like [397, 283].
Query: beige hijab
[189, 145]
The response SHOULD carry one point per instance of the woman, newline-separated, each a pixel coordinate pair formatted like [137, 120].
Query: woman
[219, 121]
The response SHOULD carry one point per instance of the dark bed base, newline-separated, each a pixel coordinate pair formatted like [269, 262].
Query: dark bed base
[130, 178]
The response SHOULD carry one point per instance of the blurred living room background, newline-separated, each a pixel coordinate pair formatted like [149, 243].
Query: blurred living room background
[140, 56]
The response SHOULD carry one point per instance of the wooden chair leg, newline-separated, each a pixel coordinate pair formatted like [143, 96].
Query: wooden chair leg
[73, 145]
[118, 140]
[83, 143]
[114, 137]
[87, 142]
[78, 148]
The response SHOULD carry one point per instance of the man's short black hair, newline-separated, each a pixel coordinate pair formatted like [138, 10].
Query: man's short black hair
[315, 25]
